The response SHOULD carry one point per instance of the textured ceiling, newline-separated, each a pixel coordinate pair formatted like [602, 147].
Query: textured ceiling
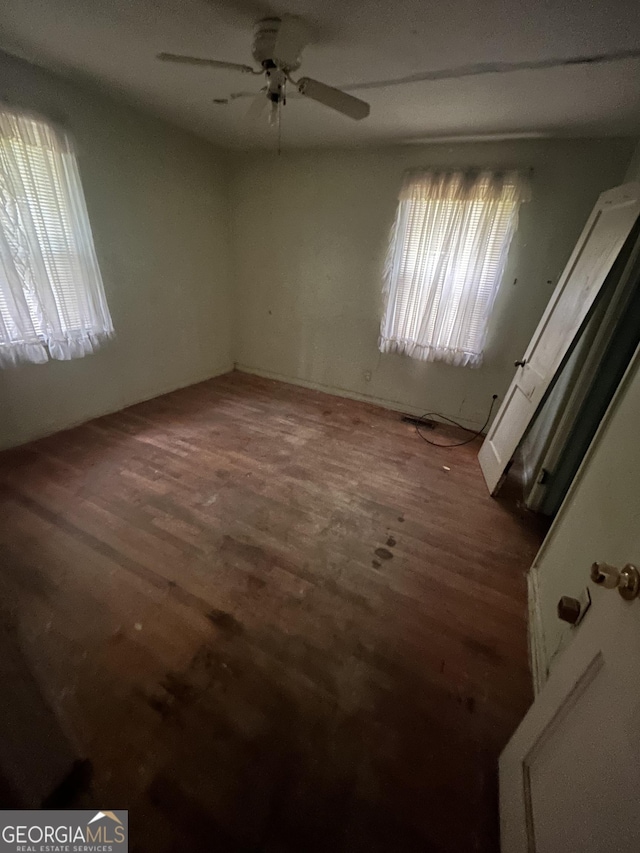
[356, 41]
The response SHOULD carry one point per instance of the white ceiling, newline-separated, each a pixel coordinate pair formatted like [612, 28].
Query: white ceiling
[115, 43]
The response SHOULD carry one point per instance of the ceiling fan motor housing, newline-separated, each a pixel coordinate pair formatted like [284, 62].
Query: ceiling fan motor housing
[264, 39]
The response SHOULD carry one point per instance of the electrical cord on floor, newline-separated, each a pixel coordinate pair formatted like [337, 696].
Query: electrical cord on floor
[455, 423]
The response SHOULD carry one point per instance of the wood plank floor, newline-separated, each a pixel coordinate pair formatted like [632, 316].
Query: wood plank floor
[272, 620]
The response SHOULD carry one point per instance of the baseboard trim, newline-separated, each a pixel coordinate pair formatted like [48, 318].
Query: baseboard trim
[537, 648]
[393, 405]
[52, 429]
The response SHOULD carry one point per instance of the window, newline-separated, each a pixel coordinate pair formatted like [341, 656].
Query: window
[52, 302]
[446, 256]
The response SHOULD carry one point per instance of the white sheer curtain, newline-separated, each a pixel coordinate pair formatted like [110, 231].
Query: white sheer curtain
[446, 257]
[52, 302]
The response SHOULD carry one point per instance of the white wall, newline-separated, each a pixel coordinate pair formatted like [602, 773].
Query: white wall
[157, 203]
[309, 235]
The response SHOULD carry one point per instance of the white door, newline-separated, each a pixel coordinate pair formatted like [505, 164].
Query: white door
[600, 242]
[570, 776]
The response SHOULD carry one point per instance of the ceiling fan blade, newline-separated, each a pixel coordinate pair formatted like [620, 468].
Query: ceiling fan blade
[333, 98]
[214, 63]
[257, 107]
[293, 35]
[234, 96]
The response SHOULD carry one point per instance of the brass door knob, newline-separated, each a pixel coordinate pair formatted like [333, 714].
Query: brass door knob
[606, 575]
[627, 579]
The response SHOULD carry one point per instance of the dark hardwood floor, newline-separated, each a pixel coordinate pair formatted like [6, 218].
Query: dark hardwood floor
[272, 620]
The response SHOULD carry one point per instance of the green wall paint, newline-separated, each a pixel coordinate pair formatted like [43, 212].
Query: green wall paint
[158, 207]
[309, 235]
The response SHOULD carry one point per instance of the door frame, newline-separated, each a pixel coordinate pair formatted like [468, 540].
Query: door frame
[493, 467]
[578, 391]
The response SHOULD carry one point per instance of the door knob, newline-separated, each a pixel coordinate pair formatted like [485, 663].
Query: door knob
[627, 579]
[519, 363]
[606, 575]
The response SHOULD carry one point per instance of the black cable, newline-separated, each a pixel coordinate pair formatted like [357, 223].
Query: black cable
[455, 423]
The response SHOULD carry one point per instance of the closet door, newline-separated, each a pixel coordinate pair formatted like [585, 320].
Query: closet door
[602, 239]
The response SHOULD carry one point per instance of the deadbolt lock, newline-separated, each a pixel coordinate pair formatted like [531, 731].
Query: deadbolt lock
[626, 580]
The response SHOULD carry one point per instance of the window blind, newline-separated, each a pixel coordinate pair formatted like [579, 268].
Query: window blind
[446, 256]
[52, 302]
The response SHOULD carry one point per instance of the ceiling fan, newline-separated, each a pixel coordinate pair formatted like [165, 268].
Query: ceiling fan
[277, 47]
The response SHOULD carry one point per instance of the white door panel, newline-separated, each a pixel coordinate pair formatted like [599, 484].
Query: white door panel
[570, 776]
[600, 242]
